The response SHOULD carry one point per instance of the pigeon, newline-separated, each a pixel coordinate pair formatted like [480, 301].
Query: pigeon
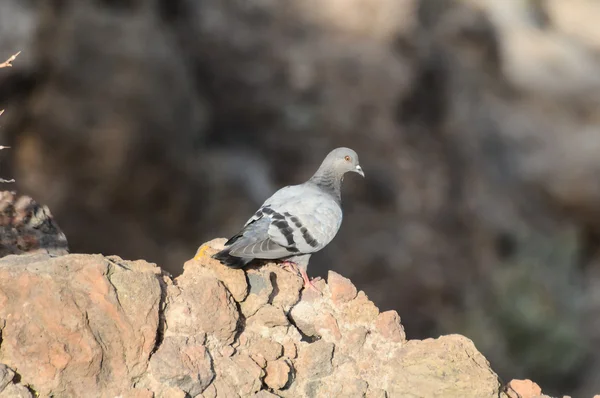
[297, 221]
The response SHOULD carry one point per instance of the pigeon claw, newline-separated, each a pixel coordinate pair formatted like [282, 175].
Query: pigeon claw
[290, 266]
[308, 284]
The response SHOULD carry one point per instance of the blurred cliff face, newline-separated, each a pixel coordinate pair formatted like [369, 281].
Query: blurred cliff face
[149, 127]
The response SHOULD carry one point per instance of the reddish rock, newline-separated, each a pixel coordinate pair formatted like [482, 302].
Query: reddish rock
[183, 362]
[241, 373]
[173, 392]
[138, 393]
[259, 359]
[233, 279]
[388, 324]
[523, 389]
[287, 285]
[342, 290]
[354, 339]
[327, 327]
[277, 374]
[314, 360]
[269, 349]
[264, 394]
[289, 349]
[269, 316]
[78, 324]
[187, 312]
[91, 323]
[360, 310]
[314, 295]
[337, 387]
[227, 351]
[211, 391]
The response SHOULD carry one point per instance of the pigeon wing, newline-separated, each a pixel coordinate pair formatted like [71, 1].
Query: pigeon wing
[298, 219]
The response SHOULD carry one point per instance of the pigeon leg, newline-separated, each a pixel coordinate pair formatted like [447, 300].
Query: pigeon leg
[290, 266]
[307, 282]
[300, 264]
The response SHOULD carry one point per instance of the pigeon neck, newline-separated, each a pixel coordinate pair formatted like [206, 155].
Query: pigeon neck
[329, 182]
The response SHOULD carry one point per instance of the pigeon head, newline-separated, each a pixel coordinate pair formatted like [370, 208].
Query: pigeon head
[331, 172]
[341, 161]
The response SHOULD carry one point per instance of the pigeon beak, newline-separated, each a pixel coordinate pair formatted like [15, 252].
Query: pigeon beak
[360, 171]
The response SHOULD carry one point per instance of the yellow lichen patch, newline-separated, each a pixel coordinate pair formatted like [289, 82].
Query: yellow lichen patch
[201, 252]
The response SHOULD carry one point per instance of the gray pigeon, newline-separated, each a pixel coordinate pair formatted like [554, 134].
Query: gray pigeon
[297, 221]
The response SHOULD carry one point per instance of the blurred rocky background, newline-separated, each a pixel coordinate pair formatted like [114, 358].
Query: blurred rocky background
[150, 126]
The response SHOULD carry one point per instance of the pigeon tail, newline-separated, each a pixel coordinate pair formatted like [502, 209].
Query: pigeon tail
[231, 261]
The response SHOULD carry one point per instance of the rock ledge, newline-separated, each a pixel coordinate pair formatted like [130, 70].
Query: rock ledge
[90, 325]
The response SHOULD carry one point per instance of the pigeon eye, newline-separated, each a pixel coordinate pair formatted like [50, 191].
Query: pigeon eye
[348, 158]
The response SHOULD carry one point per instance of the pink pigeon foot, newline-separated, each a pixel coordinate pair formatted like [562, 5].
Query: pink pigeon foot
[290, 266]
[307, 282]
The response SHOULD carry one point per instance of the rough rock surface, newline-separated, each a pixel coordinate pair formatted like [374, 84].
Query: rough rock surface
[89, 325]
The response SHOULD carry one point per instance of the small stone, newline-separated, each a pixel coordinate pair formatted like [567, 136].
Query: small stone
[183, 363]
[314, 360]
[259, 359]
[224, 389]
[314, 296]
[210, 392]
[269, 349]
[360, 310]
[173, 392]
[261, 289]
[354, 388]
[339, 385]
[355, 339]
[187, 313]
[388, 324]
[237, 376]
[373, 392]
[277, 374]
[304, 315]
[286, 284]
[15, 391]
[345, 362]
[264, 394]
[227, 351]
[342, 290]
[253, 375]
[327, 327]
[289, 349]
[243, 340]
[524, 389]
[259, 282]
[269, 316]
[139, 393]
[6, 376]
